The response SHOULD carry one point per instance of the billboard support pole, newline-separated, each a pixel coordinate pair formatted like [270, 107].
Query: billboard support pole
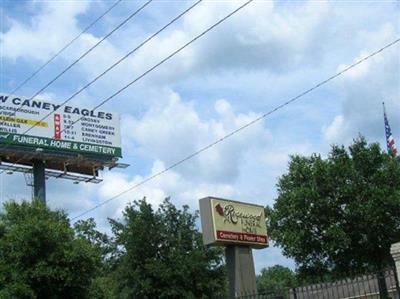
[39, 181]
[241, 272]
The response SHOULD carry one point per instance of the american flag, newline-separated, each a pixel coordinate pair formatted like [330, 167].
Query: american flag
[391, 144]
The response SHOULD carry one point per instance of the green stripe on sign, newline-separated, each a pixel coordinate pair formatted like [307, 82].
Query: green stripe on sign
[60, 145]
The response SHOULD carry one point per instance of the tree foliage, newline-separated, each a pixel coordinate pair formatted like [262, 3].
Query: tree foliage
[40, 257]
[162, 255]
[151, 254]
[339, 214]
[276, 280]
[103, 284]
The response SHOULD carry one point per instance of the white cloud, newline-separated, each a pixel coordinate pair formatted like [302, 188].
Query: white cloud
[38, 39]
[371, 40]
[335, 131]
[257, 37]
[174, 131]
[181, 189]
[269, 257]
[264, 54]
[365, 88]
[60, 193]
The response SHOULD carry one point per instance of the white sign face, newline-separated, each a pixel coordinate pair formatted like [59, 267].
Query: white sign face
[96, 133]
[231, 222]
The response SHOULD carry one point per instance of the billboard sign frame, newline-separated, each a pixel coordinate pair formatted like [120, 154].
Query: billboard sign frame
[95, 133]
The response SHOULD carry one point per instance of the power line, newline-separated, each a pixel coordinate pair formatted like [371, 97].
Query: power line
[71, 65]
[149, 70]
[88, 51]
[117, 63]
[107, 70]
[163, 61]
[205, 148]
[65, 47]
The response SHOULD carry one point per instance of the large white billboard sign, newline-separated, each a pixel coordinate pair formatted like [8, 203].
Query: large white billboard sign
[96, 133]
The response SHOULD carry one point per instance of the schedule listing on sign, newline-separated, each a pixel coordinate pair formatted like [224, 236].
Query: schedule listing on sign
[81, 129]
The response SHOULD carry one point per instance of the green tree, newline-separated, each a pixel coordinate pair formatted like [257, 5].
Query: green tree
[276, 280]
[40, 257]
[339, 214]
[103, 284]
[162, 255]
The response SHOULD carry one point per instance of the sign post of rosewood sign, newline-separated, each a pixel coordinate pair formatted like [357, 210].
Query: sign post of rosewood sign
[231, 222]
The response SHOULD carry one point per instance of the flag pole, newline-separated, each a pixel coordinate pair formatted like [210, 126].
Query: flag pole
[384, 108]
[385, 122]
[390, 142]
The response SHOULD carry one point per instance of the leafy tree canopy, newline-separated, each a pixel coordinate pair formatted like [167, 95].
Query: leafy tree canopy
[40, 257]
[151, 254]
[162, 255]
[103, 284]
[276, 280]
[339, 214]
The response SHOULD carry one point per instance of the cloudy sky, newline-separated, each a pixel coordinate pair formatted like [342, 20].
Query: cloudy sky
[267, 53]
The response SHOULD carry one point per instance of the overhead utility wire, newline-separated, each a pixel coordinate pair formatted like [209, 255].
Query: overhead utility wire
[107, 70]
[198, 152]
[152, 68]
[162, 61]
[64, 48]
[117, 63]
[71, 65]
[87, 52]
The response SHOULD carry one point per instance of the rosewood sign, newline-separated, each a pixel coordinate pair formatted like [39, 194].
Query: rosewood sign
[232, 222]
